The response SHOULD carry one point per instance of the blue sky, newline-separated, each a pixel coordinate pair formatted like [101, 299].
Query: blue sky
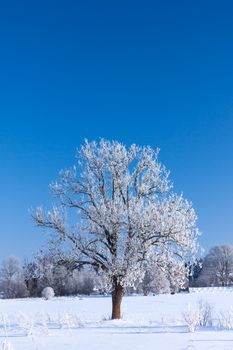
[146, 72]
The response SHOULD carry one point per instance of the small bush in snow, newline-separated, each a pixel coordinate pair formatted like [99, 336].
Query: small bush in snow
[47, 293]
[226, 319]
[6, 345]
[192, 318]
[26, 323]
[199, 315]
[206, 313]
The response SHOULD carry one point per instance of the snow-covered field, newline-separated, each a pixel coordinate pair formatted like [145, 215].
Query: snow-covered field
[149, 323]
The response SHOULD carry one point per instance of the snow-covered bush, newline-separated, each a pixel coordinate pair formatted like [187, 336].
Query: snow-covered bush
[47, 293]
[42, 323]
[67, 320]
[198, 315]
[6, 345]
[25, 323]
[225, 319]
[206, 313]
[192, 318]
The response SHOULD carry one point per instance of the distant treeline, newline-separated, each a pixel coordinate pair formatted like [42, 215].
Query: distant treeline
[26, 279]
[215, 269]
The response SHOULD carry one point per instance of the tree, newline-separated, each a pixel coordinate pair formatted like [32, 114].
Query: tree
[195, 270]
[218, 266]
[30, 273]
[12, 283]
[154, 281]
[50, 272]
[125, 210]
[86, 281]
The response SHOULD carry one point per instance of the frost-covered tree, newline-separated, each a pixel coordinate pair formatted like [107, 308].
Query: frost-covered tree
[218, 266]
[49, 271]
[12, 284]
[53, 268]
[30, 273]
[154, 281]
[86, 281]
[123, 210]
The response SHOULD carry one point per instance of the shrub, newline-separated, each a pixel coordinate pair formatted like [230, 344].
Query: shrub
[226, 319]
[47, 293]
[6, 345]
[192, 318]
[206, 313]
[199, 315]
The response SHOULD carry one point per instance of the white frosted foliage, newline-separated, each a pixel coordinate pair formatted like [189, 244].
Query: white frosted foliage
[47, 293]
[125, 213]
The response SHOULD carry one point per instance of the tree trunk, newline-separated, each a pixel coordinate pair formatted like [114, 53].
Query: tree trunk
[117, 295]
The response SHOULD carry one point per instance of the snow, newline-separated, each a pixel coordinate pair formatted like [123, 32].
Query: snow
[78, 323]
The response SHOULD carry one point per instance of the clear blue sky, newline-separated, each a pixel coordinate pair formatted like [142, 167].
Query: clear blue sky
[148, 72]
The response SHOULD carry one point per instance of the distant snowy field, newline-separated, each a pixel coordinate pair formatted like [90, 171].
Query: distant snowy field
[149, 323]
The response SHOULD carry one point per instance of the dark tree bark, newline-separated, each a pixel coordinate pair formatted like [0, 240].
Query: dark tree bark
[117, 295]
